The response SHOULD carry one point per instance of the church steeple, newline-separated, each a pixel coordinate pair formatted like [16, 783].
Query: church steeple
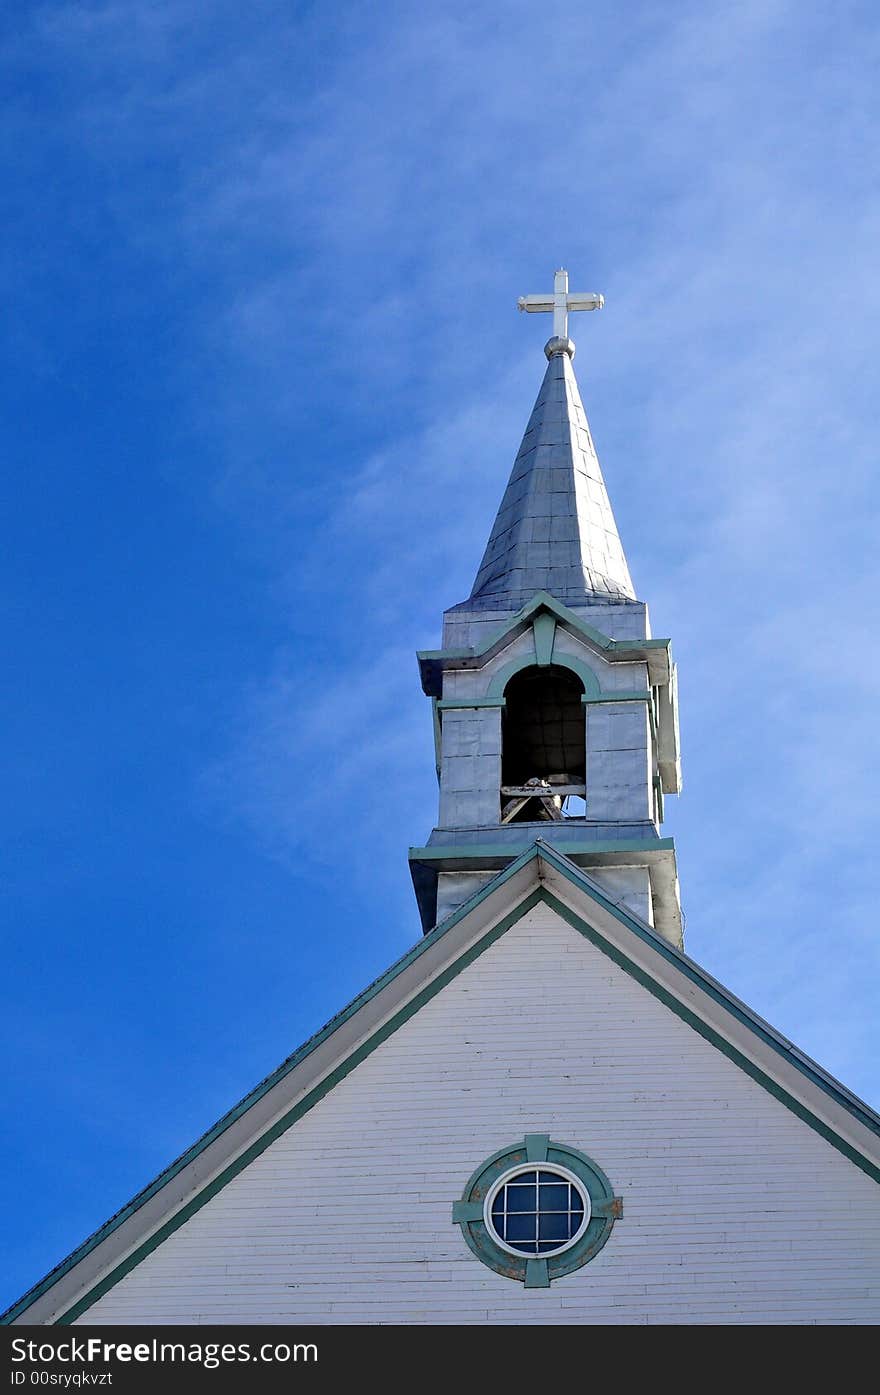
[555, 711]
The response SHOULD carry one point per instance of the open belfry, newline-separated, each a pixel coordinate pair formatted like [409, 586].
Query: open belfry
[545, 1112]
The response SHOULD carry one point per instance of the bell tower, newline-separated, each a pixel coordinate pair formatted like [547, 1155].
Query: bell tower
[555, 711]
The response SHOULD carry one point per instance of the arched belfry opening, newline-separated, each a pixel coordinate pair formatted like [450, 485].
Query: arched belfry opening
[543, 746]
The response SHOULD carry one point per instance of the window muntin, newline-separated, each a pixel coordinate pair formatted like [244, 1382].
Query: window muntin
[537, 1211]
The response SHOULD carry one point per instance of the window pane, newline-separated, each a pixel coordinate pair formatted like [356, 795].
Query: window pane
[555, 1227]
[520, 1228]
[520, 1198]
[555, 1198]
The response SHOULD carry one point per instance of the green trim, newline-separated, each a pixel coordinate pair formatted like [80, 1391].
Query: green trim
[544, 630]
[640, 696]
[611, 1206]
[501, 679]
[444, 703]
[464, 1211]
[536, 1147]
[468, 1212]
[490, 852]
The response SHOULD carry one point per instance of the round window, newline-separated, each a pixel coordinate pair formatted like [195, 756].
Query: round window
[537, 1211]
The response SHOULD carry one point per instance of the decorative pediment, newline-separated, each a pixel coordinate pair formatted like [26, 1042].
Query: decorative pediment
[542, 614]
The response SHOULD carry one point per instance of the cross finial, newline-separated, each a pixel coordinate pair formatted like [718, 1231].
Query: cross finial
[560, 302]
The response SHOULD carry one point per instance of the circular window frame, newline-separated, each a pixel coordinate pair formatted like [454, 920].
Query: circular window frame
[469, 1211]
[564, 1174]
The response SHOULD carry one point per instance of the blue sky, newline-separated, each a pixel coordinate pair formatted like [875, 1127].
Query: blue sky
[264, 380]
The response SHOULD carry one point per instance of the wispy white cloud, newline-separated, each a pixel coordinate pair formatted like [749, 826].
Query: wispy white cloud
[328, 770]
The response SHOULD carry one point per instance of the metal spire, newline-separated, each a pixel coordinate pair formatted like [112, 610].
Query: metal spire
[555, 530]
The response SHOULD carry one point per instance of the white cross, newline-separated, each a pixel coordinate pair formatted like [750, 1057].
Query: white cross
[560, 302]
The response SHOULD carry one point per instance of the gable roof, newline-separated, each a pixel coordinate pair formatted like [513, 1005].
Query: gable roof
[540, 874]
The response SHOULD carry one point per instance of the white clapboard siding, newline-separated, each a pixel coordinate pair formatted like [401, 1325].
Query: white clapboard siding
[734, 1210]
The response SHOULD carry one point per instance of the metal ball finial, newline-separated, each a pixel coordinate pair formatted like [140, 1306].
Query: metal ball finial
[558, 345]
